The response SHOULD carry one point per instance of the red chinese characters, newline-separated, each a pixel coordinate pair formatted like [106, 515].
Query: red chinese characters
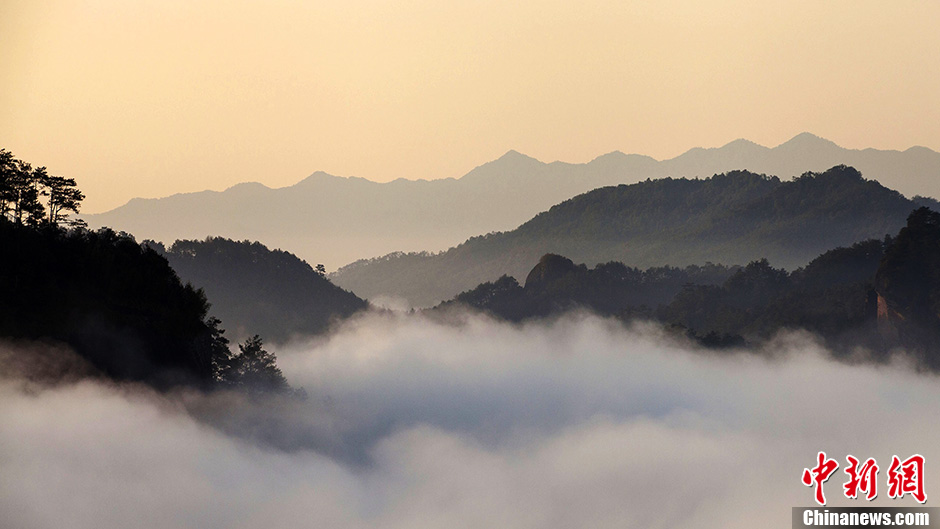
[907, 477]
[863, 479]
[904, 477]
[819, 474]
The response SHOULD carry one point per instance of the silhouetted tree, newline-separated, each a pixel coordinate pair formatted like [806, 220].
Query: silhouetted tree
[21, 189]
[64, 196]
[9, 168]
[116, 303]
[218, 346]
[254, 368]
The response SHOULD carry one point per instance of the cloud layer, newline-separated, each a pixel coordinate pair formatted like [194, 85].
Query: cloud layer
[412, 423]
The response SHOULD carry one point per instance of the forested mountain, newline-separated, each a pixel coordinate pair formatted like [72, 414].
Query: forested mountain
[730, 218]
[256, 290]
[115, 303]
[335, 220]
[908, 285]
[556, 284]
[878, 294]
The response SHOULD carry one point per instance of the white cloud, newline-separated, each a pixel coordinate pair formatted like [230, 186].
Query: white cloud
[413, 423]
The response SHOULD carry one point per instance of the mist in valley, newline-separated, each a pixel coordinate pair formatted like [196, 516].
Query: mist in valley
[350, 265]
[418, 422]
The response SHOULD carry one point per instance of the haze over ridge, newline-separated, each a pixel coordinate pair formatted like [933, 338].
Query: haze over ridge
[337, 220]
[153, 98]
[730, 218]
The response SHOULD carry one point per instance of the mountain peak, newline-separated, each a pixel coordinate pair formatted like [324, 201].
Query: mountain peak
[805, 140]
[618, 161]
[317, 177]
[742, 143]
[513, 154]
[247, 187]
[513, 162]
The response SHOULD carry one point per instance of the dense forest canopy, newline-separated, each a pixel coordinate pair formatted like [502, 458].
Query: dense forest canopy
[116, 303]
[878, 294]
[258, 290]
[908, 284]
[556, 284]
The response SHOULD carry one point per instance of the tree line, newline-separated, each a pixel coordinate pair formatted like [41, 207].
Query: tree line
[31, 196]
[878, 294]
[116, 303]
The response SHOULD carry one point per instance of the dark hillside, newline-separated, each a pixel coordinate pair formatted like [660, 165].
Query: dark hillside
[257, 290]
[118, 305]
[875, 296]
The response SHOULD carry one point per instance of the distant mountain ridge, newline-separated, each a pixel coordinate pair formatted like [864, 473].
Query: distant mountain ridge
[336, 220]
[731, 218]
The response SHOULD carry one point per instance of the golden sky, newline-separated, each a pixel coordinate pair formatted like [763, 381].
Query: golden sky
[153, 97]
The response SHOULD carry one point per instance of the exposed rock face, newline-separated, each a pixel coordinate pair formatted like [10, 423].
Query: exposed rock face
[551, 267]
[908, 286]
[889, 320]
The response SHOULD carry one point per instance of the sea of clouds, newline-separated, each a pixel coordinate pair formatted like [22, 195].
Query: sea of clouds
[412, 422]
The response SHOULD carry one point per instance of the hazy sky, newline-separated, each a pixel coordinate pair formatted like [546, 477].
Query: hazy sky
[148, 98]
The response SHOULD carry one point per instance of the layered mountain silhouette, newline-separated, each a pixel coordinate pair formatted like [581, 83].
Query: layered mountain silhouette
[256, 290]
[878, 295]
[336, 220]
[731, 218]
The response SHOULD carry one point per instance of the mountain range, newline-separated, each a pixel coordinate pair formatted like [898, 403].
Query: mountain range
[731, 218]
[336, 220]
[871, 299]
